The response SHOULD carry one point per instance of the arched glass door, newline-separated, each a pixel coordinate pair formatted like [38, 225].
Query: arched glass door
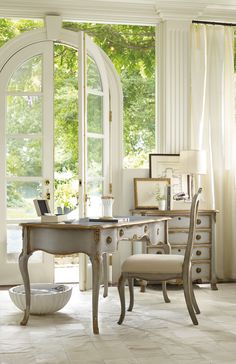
[27, 129]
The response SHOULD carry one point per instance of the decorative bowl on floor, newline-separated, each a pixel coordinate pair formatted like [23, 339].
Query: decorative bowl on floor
[45, 297]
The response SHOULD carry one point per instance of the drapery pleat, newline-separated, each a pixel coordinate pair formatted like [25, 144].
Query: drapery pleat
[213, 129]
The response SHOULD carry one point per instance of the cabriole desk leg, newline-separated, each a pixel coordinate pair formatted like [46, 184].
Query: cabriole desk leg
[96, 269]
[23, 265]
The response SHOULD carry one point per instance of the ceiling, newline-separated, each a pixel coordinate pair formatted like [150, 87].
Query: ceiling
[125, 11]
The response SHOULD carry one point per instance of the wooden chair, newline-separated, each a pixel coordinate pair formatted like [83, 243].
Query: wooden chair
[162, 267]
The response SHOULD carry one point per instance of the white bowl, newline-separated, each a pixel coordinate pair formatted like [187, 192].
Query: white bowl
[45, 297]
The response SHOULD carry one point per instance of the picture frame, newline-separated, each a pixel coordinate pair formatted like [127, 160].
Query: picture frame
[42, 207]
[168, 166]
[145, 190]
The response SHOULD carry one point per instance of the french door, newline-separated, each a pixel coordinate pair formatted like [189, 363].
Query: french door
[27, 144]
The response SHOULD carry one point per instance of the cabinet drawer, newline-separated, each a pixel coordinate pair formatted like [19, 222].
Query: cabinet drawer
[183, 222]
[201, 272]
[199, 253]
[181, 237]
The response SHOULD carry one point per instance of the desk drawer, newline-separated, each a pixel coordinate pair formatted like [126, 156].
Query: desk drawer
[181, 237]
[183, 222]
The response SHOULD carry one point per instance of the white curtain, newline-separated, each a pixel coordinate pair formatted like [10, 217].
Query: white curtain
[213, 129]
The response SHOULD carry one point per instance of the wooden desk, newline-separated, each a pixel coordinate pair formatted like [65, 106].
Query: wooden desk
[93, 239]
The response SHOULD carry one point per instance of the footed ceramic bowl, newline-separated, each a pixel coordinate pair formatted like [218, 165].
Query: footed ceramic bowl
[45, 297]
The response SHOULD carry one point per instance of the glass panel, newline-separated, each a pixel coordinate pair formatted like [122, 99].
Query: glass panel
[131, 48]
[20, 197]
[14, 245]
[95, 113]
[95, 157]
[24, 157]
[94, 80]
[94, 191]
[28, 77]
[24, 114]
[66, 127]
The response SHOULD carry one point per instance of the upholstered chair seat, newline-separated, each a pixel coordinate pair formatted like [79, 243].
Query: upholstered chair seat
[153, 263]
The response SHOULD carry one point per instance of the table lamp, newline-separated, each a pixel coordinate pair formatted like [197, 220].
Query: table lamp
[193, 162]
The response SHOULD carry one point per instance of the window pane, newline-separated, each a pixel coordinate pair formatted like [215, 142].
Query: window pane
[24, 157]
[94, 80]
[95, 114]
[66, 127]
[95, 157]
[24, 114]
[131, 48]
[28, 77]
[94, 191]
[20, 196]
[14, 245]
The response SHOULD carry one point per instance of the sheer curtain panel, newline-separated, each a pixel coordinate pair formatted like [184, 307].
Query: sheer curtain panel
[213, 129]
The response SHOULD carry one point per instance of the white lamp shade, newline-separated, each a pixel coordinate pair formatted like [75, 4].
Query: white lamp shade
[193, 161]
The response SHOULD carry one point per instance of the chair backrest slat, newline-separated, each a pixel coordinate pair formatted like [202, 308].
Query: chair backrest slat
[192, 226]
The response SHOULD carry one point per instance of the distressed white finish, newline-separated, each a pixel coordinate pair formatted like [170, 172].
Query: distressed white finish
[89, 238]
[162, 268]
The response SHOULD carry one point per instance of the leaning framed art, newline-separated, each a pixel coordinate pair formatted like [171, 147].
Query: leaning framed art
[149, 192]
[168, 166]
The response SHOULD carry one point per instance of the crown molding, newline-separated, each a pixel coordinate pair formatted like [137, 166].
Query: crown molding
[148, 12]
[112, 11]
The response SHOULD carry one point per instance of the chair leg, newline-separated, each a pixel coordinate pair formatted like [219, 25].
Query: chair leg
[131, 293]
[121, 290]
[164, 291]
[193, 299]
[187, 295]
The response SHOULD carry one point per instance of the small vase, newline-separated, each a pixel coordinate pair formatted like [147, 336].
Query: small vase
[162, 204]
[107, 202]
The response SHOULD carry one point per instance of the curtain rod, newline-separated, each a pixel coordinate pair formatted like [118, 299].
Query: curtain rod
[213, 23]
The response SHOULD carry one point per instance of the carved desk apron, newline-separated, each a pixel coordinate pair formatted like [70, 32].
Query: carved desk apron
[93, 239]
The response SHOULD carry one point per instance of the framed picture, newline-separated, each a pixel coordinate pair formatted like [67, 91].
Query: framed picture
[168, 166]
[149, 192]
[41, 207]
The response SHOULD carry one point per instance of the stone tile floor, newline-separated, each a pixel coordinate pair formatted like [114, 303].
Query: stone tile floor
[155, 332]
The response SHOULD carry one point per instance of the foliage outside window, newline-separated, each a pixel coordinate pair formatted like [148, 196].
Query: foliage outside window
[132, 51]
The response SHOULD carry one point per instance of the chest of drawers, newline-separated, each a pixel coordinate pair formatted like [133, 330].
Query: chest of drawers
[203, 267]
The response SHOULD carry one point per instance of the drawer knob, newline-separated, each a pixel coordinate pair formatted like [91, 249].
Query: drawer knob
[108, 240]
[159, 252]
[179, 250]
[199, 221]
[198, 252]
[179, 218]
[121, 232]
[198, 237]
[198, 270]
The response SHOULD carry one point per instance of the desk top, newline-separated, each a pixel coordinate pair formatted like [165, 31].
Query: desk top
[85, 224]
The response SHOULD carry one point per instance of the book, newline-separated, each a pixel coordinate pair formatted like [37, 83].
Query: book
[108, 219]
[53, 218]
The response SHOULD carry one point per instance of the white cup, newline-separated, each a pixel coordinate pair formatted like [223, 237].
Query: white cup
[107, 202]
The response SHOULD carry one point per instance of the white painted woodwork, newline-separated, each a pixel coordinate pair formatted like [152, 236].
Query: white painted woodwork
[121, 11]
[174, 79]
[43, 268]
[85, 48]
